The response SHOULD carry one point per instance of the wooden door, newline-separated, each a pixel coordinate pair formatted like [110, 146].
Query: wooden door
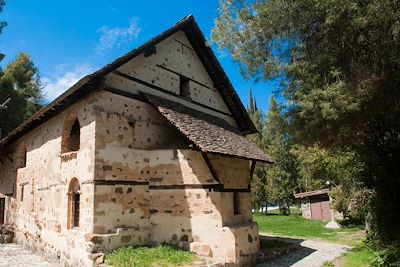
[316, 213]
[325, 210]
[2, 206]
[320, 209]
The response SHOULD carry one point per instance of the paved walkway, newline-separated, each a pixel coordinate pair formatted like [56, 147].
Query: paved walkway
[312, 254]
[12, 255]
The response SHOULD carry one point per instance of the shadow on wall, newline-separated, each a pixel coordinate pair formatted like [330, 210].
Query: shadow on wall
[151, 187]
[188, 209]
[180, 204]
[185, 211]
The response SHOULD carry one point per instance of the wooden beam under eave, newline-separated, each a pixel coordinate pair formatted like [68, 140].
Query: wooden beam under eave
[210, 167]
[253, 166]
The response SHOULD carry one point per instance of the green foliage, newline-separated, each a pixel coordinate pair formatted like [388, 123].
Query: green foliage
[258, 184]
[273, 183]
[361, 203]
[293, 211]
[339, 63]
[387, 257]
[334, 55]
[281, 179]
[320, 167]
[317, 165]
[20, 82]
[364, 255]
[163, 255]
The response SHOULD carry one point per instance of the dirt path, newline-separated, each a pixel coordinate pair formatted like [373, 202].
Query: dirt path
[312, 254]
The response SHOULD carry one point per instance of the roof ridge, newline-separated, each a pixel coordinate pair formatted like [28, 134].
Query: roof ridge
[85, 84]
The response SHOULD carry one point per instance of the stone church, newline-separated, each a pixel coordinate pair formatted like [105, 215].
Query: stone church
[149, 149]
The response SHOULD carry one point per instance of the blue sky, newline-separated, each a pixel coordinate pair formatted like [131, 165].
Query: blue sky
[69, 39]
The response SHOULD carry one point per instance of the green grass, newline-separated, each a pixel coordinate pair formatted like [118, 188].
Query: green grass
[358, 257]
[295, 226]
[163, 255]
[298, 227]
[328, 264]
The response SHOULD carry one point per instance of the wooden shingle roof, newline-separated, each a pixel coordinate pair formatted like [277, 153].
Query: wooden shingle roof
[210, 134]
[312, 193]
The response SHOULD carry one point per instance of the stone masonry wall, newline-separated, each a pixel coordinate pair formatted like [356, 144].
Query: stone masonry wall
[37, 207]
[151, 192]
[306, 209]
[140, 181]
[174, 59]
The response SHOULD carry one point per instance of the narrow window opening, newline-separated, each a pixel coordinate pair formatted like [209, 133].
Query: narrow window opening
[76, 201]
[74, 196]
[236, 203]
[22, 193]
[184, 87]
[74, 137]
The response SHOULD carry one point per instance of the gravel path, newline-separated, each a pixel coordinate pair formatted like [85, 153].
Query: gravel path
[312, 254]
[12, 255]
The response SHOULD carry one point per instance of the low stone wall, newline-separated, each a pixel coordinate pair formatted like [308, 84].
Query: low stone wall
[306, 209]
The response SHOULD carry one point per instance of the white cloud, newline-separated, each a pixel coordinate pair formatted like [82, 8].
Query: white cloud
[118, 36]
[64, 79]
[113, 9]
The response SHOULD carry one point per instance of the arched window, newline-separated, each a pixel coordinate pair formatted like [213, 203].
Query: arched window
[71, 135]
[21, 156]
[75, 137]
[74, 195]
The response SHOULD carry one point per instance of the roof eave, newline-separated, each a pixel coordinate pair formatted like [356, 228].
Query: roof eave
[190, 27]
[53, 108]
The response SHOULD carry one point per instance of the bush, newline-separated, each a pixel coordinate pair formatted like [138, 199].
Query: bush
[389, 257]
[360, 203]
[351, 222]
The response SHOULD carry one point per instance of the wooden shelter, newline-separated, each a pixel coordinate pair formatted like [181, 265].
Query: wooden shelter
[315, 205]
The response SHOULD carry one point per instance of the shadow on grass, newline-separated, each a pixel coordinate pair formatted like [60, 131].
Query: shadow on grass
[281, 251]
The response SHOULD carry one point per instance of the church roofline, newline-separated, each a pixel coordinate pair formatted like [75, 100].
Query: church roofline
[92, 82]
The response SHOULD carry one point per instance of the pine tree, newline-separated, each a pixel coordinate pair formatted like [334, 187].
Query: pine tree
[20, 82]
[258, 183]
[339, 66]
[280, 175]
[250, 106]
